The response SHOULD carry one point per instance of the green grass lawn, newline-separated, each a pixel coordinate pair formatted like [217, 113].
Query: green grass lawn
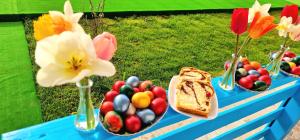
[155, 48]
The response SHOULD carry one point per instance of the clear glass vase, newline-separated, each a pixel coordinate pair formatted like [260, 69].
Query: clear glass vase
[274, 66]
[227, 82]
[86, 119]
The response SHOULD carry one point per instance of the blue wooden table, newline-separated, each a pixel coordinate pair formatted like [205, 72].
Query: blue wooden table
[280, 121]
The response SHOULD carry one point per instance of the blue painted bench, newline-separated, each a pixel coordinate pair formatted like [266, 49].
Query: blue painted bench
[279, 122]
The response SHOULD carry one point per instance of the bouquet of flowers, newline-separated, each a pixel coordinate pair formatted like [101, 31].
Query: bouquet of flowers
[289, 27]
[260, 24]
[66, 54]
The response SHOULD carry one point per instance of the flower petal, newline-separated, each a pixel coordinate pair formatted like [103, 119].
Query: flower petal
[76, 17]
[103, 68]
[45, 50]
[55, 14]
[68, 10]
[54, 74]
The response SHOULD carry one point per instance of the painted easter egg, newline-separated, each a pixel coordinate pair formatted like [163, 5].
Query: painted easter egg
[159, 106]
[110, 95]
[113, 122]
[292, 65]
[248, 67]
[289, 54]
[296, 71]
[117, 85]
[127, 90]
[140, 100]
[263, 71]
[255, 65]
[287, 59]
[246, 82]
[131, 110]
[285, 66]
[145, 85]
[240, 65]
[106, 107]
[133, 81]
[260, 86]
[253, 72]
[253, 77]
[159, 92]
[121, 103]
[146, 115]
[266, 79]
[296, 60]
[133, 123]
[245, 61]
[242, 71]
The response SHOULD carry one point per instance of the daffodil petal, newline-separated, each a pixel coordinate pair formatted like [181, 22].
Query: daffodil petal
[68, 10]
[76, 17]
[45, 50]
[55, 14]
[103, 68]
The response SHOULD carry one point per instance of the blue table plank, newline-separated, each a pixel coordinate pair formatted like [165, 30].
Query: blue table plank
[64, 128]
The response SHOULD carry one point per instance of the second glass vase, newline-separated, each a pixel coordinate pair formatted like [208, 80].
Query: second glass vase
[274, 66]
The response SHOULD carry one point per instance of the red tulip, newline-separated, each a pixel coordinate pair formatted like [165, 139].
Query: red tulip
[290, 11]
[239, 20]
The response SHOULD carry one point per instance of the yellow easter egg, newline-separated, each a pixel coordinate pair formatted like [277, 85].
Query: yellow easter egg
[292, 65]
[140, 100]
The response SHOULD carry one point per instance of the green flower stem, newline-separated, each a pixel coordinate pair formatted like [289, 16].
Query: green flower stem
[88, 109]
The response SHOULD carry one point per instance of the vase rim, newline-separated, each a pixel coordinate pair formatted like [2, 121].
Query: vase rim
[90, 84]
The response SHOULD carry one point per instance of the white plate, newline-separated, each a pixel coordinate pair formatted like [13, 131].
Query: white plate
[172, 101]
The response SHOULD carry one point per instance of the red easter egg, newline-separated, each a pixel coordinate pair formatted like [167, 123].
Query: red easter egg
[159, 92]
[113, 121]
[110, 96]
[296, 71]
[245, 61]
[248, 67]
[263, 71]
[136, 90]
[159, 106]
[106, 107]
[255, 65]
[266, 79]
[246, 82]
[133, 123]
[252, 77]
[118, 85]
[289, 54]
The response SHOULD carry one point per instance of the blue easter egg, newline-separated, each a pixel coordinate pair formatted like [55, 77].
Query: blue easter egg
[240, 65]
[146, 115]
[254, 72]
[133, 81]
[121, 103]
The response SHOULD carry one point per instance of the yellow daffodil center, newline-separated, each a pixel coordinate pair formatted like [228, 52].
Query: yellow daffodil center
[76, 63]
[46, 26]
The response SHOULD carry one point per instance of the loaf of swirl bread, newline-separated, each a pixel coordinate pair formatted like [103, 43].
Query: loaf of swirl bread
[194, 92]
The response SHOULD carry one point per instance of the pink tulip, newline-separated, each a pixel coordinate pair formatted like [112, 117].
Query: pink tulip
[105, 45]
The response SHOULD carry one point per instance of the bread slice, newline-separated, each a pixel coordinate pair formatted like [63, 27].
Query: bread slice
[194, 92]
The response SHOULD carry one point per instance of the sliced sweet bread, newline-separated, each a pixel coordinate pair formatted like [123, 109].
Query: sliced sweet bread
[190, 73]
[194, 92]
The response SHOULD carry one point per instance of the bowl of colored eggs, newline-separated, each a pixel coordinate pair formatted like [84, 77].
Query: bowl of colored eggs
[251, 76]
[290, 64]
[132, 106]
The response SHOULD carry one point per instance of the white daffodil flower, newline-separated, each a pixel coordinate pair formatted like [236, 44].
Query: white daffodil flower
[68, 16]
[256, 7]
[68, 58]
[284, 26]
[295, 32]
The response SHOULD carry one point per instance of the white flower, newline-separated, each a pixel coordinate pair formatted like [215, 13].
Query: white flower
[67, 58]
[256, 7]
[68, 16]
[295, 32]
[284, 26]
